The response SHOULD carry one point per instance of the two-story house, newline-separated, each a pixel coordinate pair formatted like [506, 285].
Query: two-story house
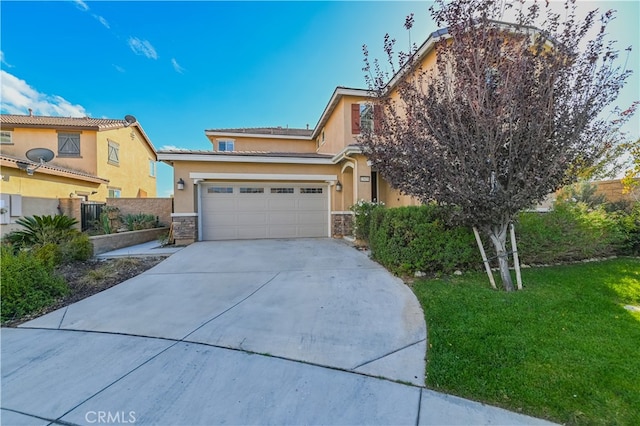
[285, 183]
[93, 159]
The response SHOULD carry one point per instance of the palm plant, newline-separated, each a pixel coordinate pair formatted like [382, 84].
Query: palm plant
[40, 230]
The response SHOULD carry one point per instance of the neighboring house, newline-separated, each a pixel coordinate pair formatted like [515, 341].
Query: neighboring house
[94, 158]
[281, 182]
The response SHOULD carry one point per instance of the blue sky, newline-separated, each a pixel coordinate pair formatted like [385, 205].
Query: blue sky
[183, 67]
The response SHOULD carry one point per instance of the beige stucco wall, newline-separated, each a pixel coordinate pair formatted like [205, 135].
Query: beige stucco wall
[270, 144]
[41, 184]
[185, 200]
[337, 130]
[25, 139]
[131, 175]
[30, 206]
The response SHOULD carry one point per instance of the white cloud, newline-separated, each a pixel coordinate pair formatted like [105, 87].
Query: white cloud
[176, 66]
[102, 21]
[81, 5]
[18, 97]
[171, 148]
[119, 68]
[142, 47]
[5, 63]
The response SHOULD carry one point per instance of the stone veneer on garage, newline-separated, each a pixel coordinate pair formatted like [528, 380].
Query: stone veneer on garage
[185, 228]
[341, 224]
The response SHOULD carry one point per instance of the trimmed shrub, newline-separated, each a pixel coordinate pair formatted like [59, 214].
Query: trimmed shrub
[27, 284]
[422, 238]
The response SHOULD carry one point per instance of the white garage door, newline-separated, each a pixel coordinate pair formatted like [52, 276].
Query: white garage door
[232, 211]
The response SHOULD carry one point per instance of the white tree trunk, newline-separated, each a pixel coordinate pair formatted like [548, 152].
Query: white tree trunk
[498, 236]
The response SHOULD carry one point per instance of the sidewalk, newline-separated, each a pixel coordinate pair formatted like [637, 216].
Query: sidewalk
[151, 248]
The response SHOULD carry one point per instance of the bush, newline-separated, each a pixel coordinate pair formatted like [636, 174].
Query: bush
[136, 222]
[629, 227]
[572, 231]
[79, 247]
[362, 221]
[27, 284]
[41, 230]
[51, 239]
[408, 239]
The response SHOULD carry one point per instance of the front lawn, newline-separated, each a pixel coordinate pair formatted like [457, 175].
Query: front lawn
[564, 348]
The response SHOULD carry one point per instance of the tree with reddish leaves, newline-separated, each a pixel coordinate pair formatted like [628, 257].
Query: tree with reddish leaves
[510, 113]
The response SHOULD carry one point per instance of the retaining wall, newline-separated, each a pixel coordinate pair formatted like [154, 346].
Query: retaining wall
[104, 243]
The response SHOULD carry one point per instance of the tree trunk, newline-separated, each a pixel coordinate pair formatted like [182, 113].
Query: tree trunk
[498, 236]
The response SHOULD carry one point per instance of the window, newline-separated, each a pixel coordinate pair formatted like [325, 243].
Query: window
[152, 168]
[69, 144]
[220, 190]
[251, 190]
[5, 137]
[114, 153]
[311, 190]
[114, 192]
[366, 117]
[282, 190]
[225, 146]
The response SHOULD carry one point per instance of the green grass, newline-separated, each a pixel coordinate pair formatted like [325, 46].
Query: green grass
[564, 348]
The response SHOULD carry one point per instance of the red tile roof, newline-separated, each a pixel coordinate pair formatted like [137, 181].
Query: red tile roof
[47, 121]
[13, 161]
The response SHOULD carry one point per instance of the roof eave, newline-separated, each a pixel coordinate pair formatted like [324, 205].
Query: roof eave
[256, 135]
[338, 93]
[168, 157]
[55, 171]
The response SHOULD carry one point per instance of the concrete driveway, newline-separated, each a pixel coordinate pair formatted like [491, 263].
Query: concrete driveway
[244, 332]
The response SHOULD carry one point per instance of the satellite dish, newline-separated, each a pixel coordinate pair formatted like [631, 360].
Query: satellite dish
[130, 119]
[40, 155]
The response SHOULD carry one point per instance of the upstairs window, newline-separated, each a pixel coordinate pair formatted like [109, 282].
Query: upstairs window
[6, 137]
[152, 168]
[226, 146]
[366, 117]
[363, 118]
[114, 153]
[69, 144]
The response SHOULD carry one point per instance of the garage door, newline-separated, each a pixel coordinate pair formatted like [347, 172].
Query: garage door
[232, 211]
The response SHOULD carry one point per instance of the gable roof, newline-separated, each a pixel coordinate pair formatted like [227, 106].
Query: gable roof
[72, 123]
[86, 123]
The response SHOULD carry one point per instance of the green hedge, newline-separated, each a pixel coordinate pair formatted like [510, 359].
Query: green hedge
[409, 239]
[27, 283]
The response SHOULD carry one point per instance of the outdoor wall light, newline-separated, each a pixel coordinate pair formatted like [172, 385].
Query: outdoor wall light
[180, 184]
[338, 186]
